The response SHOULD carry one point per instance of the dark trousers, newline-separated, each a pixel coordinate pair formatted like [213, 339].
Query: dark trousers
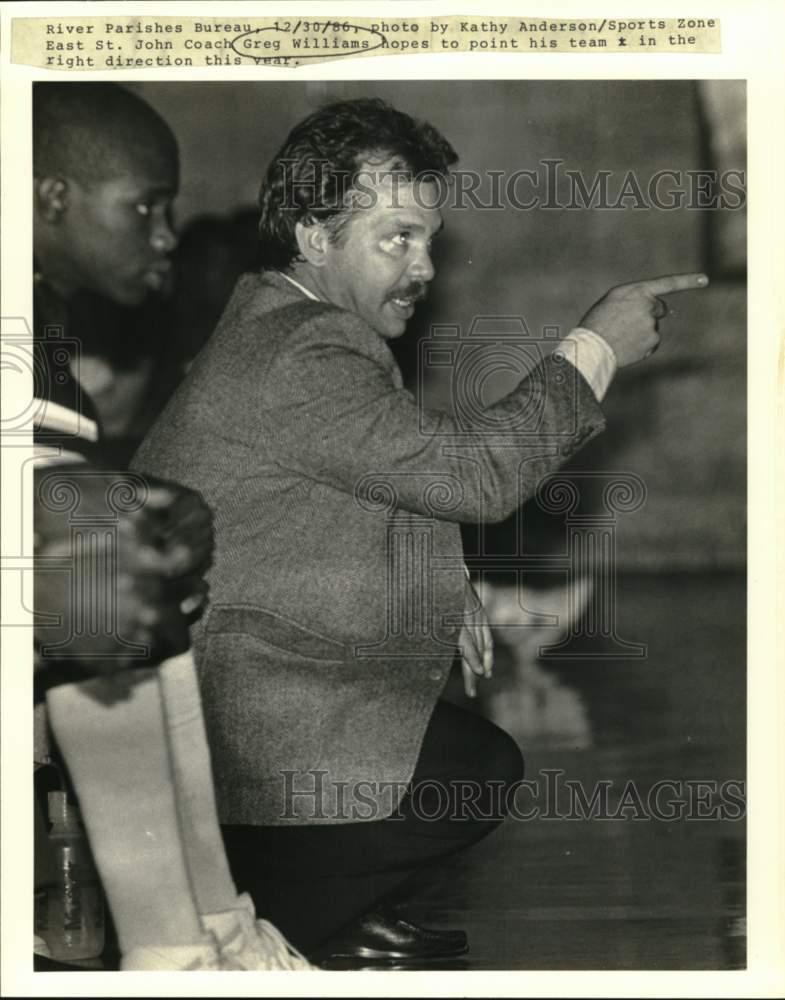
[310, 880]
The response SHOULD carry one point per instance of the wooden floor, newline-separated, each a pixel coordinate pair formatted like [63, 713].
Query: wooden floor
[623, 894]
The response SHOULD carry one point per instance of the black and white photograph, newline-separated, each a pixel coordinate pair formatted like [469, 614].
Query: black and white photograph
[388, 492]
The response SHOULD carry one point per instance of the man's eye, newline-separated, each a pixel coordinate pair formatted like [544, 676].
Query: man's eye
[143, 208]
[401, 239]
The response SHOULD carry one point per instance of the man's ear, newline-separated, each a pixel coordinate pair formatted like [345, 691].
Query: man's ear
[313, 240]
[51, 195]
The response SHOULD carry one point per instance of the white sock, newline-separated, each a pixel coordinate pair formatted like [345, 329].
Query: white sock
[203, 956]
[118, 758]
[211, 881]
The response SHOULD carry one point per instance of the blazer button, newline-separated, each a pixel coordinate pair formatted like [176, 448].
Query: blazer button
[436, 675]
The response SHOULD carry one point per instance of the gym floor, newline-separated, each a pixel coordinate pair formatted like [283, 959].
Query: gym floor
[624, 893]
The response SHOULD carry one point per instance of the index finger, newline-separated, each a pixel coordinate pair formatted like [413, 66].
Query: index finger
[673, 283]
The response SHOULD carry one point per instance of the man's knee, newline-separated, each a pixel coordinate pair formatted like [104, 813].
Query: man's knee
[506, 760]
[488, 799]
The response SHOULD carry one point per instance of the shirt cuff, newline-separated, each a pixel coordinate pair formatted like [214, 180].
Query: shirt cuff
[592, 355]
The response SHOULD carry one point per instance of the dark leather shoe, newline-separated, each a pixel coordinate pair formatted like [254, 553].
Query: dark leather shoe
[384, 935]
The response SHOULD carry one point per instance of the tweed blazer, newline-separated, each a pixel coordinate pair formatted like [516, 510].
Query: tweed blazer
[338, 583]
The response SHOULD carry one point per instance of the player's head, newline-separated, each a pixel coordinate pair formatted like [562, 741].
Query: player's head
[106, 171]
[354, 196]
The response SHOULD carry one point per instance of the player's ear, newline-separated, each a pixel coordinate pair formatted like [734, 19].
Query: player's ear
[313, 241]
[51, 197]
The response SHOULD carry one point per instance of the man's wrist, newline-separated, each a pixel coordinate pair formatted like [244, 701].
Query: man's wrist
[592, 355]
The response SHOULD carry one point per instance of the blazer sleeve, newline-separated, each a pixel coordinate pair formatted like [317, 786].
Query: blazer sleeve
[336, 412]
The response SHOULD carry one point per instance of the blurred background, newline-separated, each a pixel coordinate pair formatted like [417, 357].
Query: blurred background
[570, 895]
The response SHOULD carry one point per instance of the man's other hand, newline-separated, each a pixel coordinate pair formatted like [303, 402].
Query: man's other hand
[475, 641]
[627, 317]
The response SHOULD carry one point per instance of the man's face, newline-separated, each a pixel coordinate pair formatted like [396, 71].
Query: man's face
[116, 232]
[380, 265]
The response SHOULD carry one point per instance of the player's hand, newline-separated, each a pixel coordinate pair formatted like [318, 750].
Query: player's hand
[179, 525]
[628, 316]
[119, 563]
[475, 641]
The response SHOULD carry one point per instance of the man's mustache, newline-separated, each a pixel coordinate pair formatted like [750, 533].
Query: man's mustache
[415, 290]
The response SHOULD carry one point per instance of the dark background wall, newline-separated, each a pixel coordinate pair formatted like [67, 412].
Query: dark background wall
[678, 421]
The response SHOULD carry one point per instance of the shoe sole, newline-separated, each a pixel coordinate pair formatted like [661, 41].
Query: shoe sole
[396, 956]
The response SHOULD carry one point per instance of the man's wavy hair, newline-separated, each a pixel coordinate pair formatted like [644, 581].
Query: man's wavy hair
[312, 175]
